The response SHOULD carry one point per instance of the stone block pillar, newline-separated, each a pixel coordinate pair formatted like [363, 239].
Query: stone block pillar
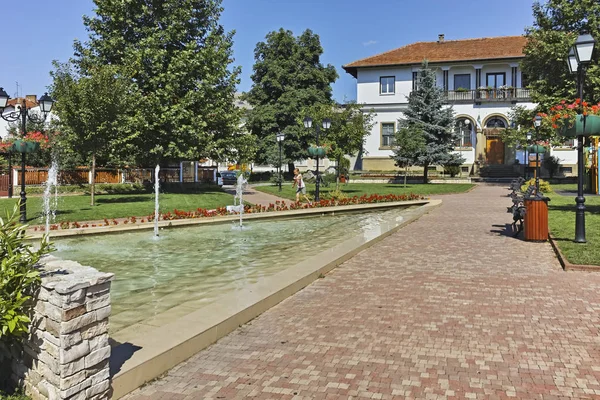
[66, 355]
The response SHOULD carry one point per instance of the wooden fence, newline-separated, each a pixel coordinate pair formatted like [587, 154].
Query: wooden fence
[39, 176]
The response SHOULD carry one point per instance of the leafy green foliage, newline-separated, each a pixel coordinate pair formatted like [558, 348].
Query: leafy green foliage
[350, 126]
[14, 396]
[557, 23]
[18, 277]
[178, 57]
[544, 185]
[288, 79]
[427, 115]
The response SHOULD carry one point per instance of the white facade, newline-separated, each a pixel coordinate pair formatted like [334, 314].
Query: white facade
[481, 93]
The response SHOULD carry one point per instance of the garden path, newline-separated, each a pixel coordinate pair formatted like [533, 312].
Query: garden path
[253, 196]
[447, 307]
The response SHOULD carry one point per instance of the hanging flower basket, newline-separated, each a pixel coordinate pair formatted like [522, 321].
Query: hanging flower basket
[22, 146]
[317, 151]
[536, 149]
[592, 126]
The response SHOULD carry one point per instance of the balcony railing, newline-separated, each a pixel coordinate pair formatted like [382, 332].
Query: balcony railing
[512, 95]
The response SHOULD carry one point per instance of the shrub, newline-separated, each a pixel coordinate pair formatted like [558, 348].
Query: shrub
[337, 195]
[18, 276]
[261, 176]
[452, 170]
[544, 185]
[15, 396]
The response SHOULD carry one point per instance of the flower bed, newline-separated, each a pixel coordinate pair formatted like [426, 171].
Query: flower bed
[222, 211]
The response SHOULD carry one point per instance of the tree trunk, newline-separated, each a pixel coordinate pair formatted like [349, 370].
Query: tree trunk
[291, 168]
[405, 173]
[425, 170]
[93, 183]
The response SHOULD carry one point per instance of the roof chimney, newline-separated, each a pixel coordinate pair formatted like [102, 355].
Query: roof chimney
[441, 38]
[32, 98]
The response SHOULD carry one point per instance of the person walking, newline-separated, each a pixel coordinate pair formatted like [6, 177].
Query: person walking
[300, 186]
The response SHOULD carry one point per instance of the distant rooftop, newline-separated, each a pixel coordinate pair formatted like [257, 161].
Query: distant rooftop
[446, 51]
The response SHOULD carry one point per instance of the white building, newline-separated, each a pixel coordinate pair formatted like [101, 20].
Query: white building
[482, 80]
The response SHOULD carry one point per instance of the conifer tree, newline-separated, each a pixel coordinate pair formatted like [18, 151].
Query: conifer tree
[427, 115]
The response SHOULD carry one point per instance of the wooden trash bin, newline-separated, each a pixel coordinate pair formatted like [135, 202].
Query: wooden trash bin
[536, 219]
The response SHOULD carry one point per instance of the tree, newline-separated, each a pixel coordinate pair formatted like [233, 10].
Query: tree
[179, 58]
[408, 144]
[557, 23]
[93, 112]
[288, 78]
[428, 114]
[350, 126]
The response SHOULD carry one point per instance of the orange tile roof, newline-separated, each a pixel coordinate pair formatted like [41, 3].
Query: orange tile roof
[19, 100]
[446, 51]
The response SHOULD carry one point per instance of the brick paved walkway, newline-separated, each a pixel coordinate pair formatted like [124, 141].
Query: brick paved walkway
[445, 308]
[253, 196]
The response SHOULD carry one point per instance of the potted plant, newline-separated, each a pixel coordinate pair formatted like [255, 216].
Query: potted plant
[30, 143]
[317, 151]
[483, 93]
[568, 118]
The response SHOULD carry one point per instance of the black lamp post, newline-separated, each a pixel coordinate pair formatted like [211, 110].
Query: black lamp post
[326, 125]
[537, 122]
[529, 136]
[280, 137]
[578, 60]
[23, 114]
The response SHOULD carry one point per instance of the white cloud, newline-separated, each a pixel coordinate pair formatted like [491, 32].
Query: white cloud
[369, 43]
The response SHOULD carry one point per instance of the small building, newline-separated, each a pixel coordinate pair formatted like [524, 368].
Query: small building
[482, 80]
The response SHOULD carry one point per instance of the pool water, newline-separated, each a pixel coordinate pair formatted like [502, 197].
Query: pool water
[195, 265]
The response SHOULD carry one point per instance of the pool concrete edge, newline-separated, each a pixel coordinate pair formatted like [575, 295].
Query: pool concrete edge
[164, 347]
[167, 224]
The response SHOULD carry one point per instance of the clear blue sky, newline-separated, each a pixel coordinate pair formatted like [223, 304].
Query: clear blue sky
[349, 30]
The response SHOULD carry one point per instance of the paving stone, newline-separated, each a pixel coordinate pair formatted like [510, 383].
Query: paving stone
[450, 306]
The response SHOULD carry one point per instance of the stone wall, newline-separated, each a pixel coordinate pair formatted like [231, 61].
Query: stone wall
[67, 353]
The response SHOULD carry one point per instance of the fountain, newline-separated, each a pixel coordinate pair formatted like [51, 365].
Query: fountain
[239, 194]
[197, 264]
[156, 189]
[50, 203]
[238, 199]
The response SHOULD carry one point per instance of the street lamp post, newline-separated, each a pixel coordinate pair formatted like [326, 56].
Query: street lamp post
[22, 114]
[578, 60]
[326, 125]
[280, 138]
[529, 135]
[537, 122]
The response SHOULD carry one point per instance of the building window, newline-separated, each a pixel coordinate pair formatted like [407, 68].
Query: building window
[386, 84]
[495, 122]
[387, 134]
[524, 80]
[464, 129]
[462, 81]
[415, 78]
[495, 79]
[566, 170]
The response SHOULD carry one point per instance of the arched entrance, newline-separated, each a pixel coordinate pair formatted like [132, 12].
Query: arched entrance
[494, 147]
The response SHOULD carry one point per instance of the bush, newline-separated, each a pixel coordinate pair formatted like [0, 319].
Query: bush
[261, 176]
[544, 185]
[18, 276]
[452, 170]
[15, 396]
[337, 195]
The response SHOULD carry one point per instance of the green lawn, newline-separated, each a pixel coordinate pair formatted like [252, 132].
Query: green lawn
[77, 208]
[561, 220]
[358, 189]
